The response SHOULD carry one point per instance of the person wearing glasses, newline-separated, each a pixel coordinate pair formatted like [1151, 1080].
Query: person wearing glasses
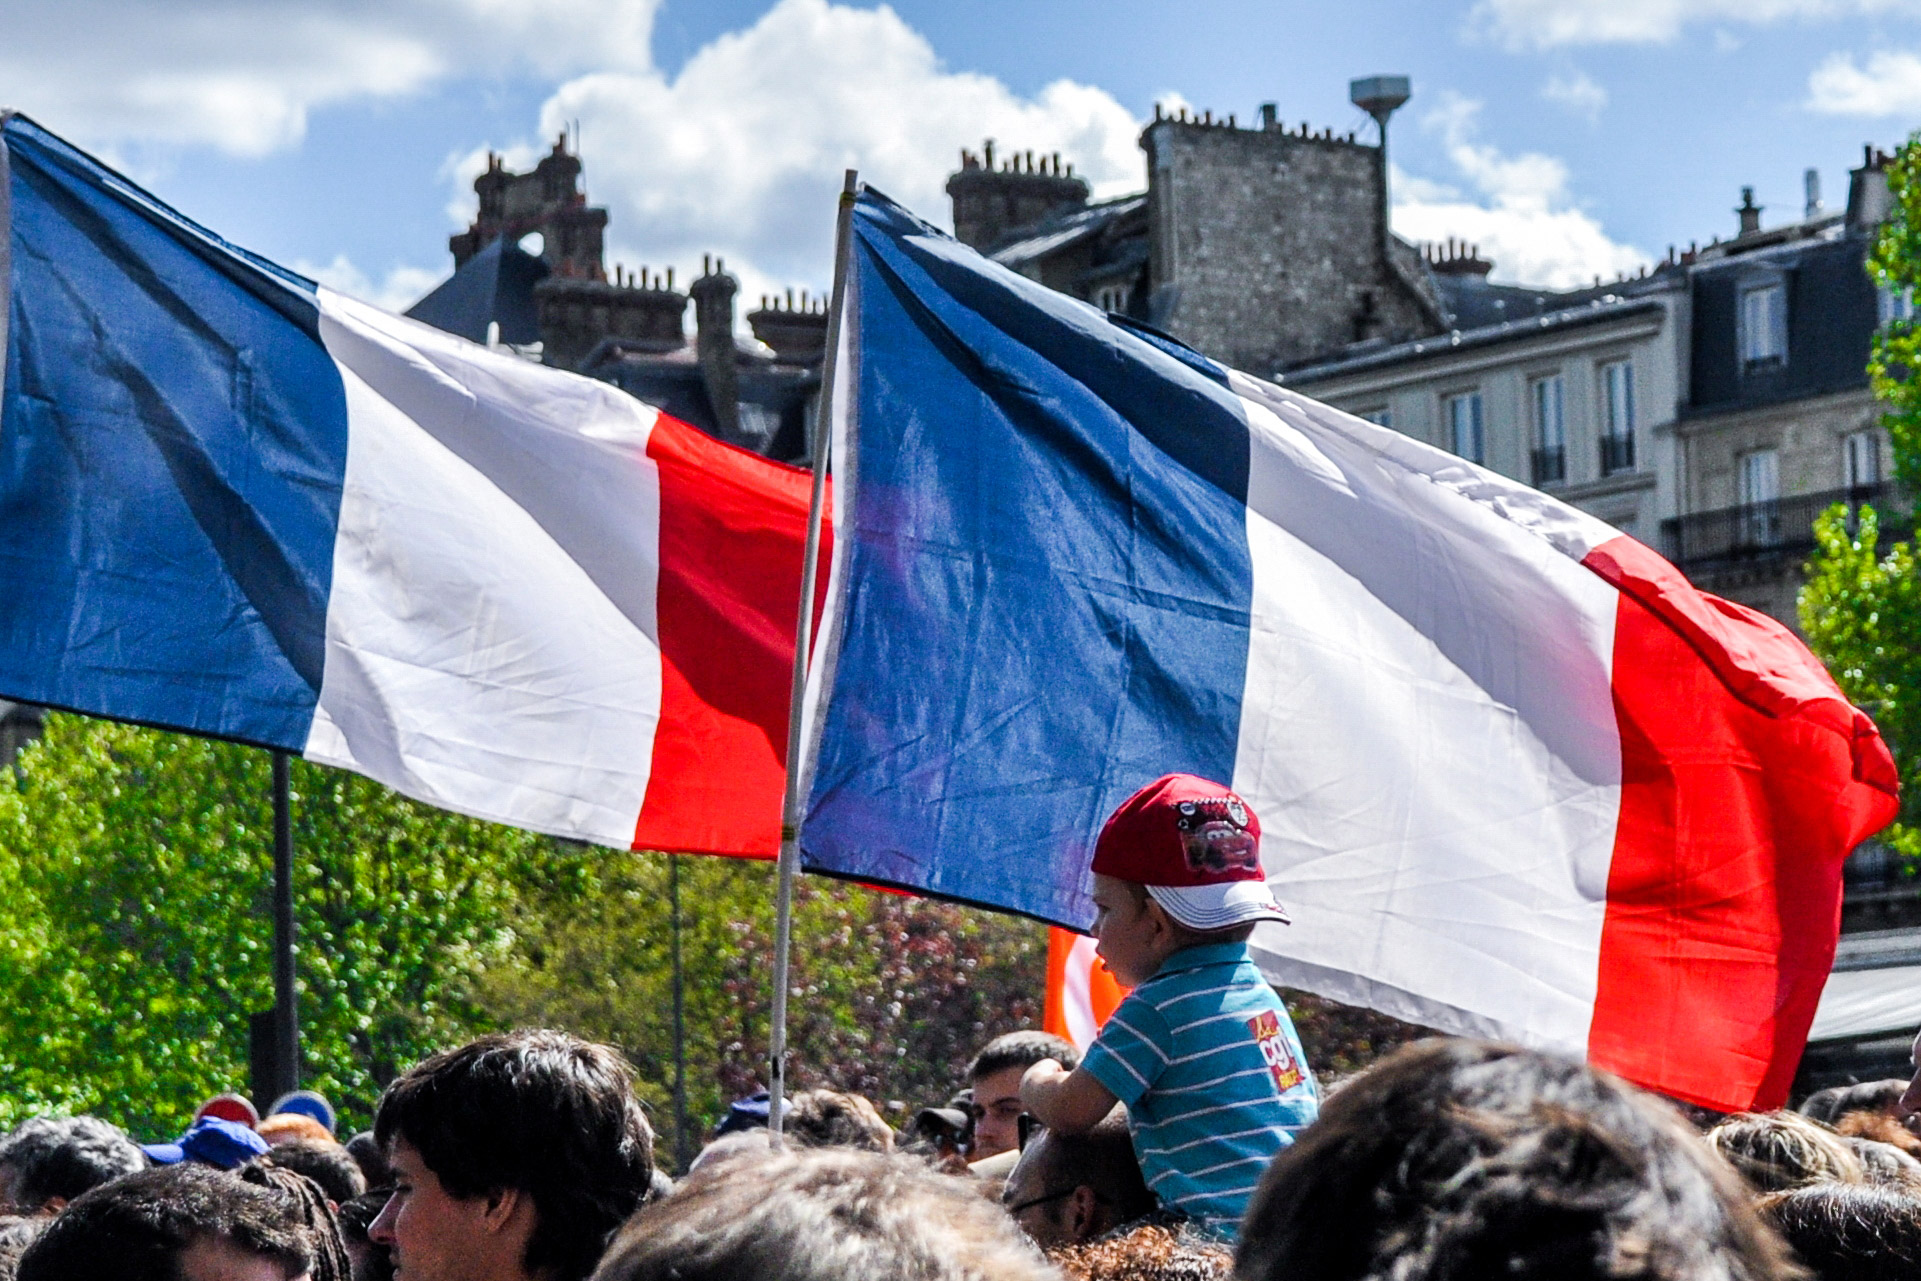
[1070, 1188]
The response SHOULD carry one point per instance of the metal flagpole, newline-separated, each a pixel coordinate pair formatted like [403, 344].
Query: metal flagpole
[683, 1150]
[285, 1008]
[803, 637]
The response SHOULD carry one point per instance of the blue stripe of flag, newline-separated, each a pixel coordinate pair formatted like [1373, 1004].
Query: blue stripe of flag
[173, 438]
[1045, 579]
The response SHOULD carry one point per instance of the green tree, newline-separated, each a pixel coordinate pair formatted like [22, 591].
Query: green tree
[1862, 601]
[137, 869]
[890, 997]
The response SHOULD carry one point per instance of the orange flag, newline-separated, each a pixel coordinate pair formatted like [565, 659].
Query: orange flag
[1081, 993]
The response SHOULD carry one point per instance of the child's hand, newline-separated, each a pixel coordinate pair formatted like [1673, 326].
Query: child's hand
[1063, 1101]
[1045, 1070]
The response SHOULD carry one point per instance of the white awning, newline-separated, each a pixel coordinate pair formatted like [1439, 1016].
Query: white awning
[1865, 1002]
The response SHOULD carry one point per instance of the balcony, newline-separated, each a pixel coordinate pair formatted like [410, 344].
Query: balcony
[1617, 454]
[1550, 465]
[1780, 526]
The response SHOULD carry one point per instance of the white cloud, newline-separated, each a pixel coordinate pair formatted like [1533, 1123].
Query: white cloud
[242, 75]
[741, 154]
[1548, 23]
[1578, 92]
[1525, 220]
[1889, 85]
[400, 289]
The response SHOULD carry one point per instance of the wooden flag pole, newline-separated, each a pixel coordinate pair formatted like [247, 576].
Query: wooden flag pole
[803, 638]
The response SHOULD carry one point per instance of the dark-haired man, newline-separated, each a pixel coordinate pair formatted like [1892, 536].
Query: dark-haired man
[46, 1161]
[995, 1076]
[515, 1157]
[178, 1223]
[1070, 1188]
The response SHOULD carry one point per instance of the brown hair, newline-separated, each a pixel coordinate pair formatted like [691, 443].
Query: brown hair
[822, 1214]
[1456, 1158]
[1148, 1253]
[829, 1118]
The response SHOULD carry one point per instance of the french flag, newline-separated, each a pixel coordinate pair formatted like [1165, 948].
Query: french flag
[1516, 777]
[238, 504]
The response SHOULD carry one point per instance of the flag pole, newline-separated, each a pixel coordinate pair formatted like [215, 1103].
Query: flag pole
[803, 636]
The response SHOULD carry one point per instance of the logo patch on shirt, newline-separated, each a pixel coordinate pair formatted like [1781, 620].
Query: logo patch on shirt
[1266, 1029]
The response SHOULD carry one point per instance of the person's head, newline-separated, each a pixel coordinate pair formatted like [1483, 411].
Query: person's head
[46, 1162]
[315, 1212]
[1880, 1127]
[286, 1127]
[1885, 1164]
[368, 1261]
[1830, 1105]
[523, 1150]
[829, 1118]
[326, 1163]
[1177, 865]
[1460, 1159]
[367, 1153]
[1069, 1188]
[1150, 1252]
[995, 1077]
[16, 1234]
[1849, 1232]
[178, 1223]
[1775, 1151]
[822, 1214]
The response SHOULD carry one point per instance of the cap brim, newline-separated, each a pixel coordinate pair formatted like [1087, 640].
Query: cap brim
[164, 1153]
[1217, 907]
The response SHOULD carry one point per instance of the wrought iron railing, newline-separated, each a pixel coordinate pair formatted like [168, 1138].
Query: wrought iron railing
[1617, 454]
[1550, 465]
[1779, 526]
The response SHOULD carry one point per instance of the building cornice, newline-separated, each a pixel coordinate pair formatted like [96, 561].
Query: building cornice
[1476, 351]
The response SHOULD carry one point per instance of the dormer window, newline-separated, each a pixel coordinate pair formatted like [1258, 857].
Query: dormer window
[1764, 325]
[1896, 304]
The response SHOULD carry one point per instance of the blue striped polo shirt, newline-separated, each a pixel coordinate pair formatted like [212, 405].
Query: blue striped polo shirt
[1208, 1063]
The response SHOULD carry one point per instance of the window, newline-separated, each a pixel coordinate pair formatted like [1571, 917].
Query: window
[1464, 426]
[1760, 498]
[1763, 325]
[1550, 431]
[1617, 417]
[1381, 417]
[1896, 303]
[1861, 459]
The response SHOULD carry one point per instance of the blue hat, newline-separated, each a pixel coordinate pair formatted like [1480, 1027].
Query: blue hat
[750, 1113]
[306, 1103]
[210, 1141]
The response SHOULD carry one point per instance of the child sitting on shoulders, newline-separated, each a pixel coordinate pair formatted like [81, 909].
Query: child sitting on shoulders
[1202, 1052]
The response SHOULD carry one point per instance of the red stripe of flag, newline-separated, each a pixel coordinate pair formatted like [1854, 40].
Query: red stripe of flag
[1746, 780]
[732, 529]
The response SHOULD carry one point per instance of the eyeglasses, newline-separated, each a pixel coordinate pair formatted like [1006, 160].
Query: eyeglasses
[1025, 1126]
[1031, 1202]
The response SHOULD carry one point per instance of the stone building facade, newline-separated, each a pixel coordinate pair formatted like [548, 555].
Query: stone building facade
[1574, 392]
[1261, 247]
[1778, 423]
[555, 300]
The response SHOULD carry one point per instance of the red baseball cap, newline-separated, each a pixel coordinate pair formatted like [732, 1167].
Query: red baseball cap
[1196, 848]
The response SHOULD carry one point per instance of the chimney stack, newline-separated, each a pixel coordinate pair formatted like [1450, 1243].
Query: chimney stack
[1750, 212]
[1811, 183]
[714, 344]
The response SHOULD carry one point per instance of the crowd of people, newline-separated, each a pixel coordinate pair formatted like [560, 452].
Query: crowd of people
[1191, 1142]
[527, 1157]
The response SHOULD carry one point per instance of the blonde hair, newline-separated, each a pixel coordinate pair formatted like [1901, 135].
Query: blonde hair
[1775, 1151]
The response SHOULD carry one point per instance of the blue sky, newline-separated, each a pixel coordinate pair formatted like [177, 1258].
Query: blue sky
[1568, 137]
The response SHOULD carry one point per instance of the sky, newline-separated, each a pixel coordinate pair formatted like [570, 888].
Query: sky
[1568, 138]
